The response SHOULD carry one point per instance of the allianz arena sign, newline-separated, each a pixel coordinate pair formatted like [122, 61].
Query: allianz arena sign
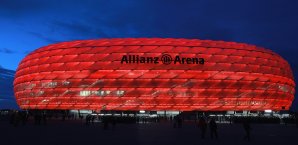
[165, 59]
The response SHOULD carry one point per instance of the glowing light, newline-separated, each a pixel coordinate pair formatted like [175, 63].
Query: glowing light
[88, 74]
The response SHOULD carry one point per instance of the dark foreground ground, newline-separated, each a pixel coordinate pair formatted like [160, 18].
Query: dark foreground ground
[77, 133]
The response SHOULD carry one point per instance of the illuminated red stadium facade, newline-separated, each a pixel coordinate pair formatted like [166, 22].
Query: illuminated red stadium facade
[154, 74]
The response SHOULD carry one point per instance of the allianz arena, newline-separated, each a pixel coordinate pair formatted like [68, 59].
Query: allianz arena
[154, 74]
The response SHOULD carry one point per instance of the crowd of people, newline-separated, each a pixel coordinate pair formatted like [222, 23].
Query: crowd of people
[204, 123]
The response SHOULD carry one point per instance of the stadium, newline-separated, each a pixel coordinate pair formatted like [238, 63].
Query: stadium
[154, 74]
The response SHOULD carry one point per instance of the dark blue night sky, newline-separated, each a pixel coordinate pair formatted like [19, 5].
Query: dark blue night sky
[26, 25]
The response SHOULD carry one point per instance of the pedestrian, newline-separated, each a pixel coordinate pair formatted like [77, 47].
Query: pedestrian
[175, 122]
[179, 121]
[247, 128]
[203, 126]
[114, 122]
[88, 119]
[213, 128]
[296, 119]
[92, 119]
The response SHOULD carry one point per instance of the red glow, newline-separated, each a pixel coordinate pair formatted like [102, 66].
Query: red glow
[89, 75]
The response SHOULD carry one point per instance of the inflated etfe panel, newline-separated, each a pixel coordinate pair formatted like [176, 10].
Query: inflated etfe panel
[154, 74]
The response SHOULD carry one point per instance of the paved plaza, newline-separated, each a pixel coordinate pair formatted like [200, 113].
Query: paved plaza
[75, 132]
